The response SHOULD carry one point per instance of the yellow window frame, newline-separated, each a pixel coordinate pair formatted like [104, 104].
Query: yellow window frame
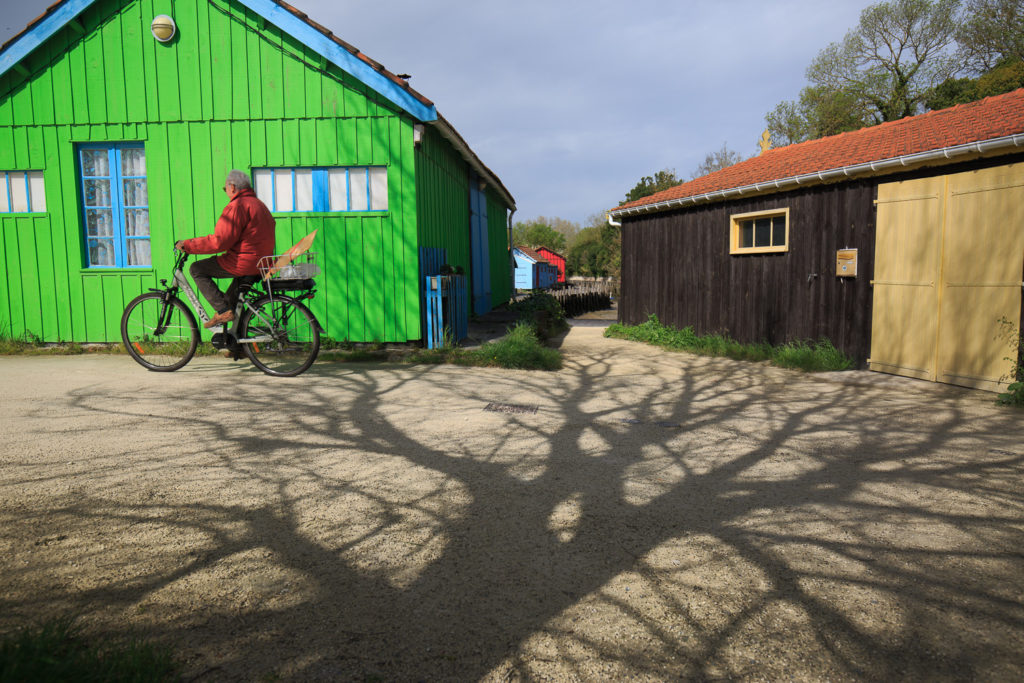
[736, 225]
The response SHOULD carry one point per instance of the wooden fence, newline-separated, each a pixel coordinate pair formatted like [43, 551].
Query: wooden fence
[577, 299]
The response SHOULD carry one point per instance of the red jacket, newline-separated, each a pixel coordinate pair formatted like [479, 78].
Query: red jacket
[244, 232]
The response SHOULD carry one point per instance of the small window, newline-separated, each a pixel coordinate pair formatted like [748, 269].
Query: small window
[293, 190]
[761, 232]
[115, 205]
[22, 192]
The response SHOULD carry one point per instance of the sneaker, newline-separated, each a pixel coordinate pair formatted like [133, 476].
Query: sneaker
[220, 319]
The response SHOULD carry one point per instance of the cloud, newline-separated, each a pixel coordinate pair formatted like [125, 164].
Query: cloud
[570, 102]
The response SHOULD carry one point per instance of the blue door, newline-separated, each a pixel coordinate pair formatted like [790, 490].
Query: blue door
[481, 271]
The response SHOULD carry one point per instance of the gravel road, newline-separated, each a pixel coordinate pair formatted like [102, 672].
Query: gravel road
[637, 514]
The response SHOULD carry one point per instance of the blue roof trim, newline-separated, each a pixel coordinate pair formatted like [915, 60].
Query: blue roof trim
[341, 57]
[42, 31]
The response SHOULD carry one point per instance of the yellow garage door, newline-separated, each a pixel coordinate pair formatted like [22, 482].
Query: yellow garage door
[908, 255]
[949, 265]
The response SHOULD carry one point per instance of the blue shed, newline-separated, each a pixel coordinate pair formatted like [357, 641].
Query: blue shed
[533, 271]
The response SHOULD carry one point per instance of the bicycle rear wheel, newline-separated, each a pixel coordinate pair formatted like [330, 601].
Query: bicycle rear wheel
[280, 336]
[161, 335]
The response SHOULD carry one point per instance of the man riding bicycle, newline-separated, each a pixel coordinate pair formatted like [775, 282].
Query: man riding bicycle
[245, 233]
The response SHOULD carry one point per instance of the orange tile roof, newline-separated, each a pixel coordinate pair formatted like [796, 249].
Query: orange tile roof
[533, 255]
[991, 118]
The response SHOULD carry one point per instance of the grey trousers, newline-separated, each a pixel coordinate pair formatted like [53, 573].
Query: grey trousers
[203, 271]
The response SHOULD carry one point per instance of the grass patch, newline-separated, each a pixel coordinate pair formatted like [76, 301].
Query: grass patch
[520, 349]
[29, 344]
[807, 356]
[56, 651]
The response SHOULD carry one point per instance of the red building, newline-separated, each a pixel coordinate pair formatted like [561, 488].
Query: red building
[555, 259]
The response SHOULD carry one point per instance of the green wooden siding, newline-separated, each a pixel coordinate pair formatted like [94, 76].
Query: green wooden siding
[442, 185]
[228, 92]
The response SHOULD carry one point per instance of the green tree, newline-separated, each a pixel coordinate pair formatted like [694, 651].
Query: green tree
[716, 161]
[882, 70]
[992, 33]
[648, 185]
[536, 235]
[566, 228]
[818, 112]
[587, 255]
[596, 251]
[1006, 76]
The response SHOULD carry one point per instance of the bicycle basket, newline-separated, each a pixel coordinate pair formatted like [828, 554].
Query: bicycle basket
[281, 275]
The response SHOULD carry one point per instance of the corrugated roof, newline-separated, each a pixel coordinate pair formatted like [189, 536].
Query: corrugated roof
[988, 119]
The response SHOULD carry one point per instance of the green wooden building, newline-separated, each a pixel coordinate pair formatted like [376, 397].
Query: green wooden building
[115, 138]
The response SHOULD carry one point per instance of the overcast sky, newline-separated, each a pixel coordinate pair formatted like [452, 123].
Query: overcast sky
[571, 102]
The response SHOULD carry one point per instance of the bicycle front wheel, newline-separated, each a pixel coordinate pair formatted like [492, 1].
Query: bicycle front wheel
[280, 336]
[160, 334]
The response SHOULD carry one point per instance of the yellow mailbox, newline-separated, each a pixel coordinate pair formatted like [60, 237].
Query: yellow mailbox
[846, 263]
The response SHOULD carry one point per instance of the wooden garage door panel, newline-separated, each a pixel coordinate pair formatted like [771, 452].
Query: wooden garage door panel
[908, 244]
[907, 314]
[970, 353]
[985, 234]
[982, 274]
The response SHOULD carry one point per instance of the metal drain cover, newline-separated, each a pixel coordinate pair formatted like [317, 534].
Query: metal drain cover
[510, 408]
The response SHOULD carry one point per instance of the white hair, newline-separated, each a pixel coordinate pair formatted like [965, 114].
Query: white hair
[239, 179]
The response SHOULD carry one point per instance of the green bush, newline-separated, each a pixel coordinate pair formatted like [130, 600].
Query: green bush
[543, 312]
[807, 356]
[520, 349]
[1014, 337]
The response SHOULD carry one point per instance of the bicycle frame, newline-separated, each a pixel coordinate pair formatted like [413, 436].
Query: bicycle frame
[181, 283]
[280, 335]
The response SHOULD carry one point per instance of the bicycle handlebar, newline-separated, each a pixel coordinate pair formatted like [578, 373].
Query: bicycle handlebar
[179, 258]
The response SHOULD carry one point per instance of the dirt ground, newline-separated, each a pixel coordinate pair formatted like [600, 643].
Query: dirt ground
[638, 514]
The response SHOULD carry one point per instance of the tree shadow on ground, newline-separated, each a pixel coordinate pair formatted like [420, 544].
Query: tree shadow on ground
[686, 518]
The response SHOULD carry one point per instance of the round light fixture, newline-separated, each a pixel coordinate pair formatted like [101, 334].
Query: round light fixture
[163, 28]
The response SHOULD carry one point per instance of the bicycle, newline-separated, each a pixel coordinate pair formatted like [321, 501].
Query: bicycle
[278, 333]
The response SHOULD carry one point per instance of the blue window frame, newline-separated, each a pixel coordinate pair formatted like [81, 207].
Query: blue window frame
[115, 205]
[324, 189]
[22, 192]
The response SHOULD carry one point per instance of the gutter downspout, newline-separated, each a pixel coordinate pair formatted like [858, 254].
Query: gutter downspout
[1005, 142]
[511, 258]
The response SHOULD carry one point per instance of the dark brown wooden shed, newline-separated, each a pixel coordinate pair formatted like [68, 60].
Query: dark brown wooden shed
[845, 238]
